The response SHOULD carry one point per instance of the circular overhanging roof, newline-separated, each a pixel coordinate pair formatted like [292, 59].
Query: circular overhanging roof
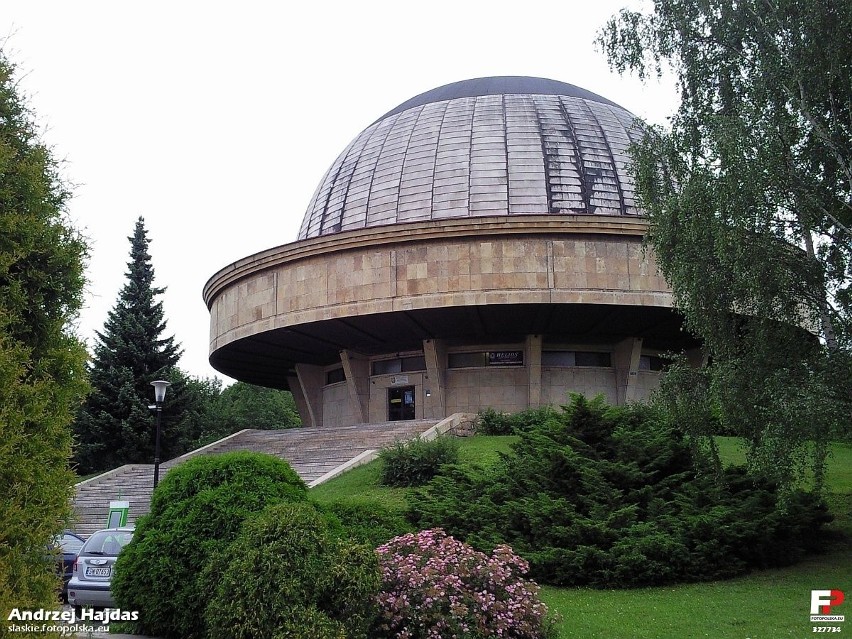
[267, 358]
[482, 147]
[569, 279]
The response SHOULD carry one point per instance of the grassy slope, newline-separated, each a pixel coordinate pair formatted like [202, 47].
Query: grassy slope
[363, 482]
[763, 605]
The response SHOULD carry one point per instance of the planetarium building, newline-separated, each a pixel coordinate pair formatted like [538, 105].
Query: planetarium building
[477, 246]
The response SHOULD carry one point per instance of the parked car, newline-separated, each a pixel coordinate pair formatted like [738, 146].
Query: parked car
[94, 567]
[65, 548]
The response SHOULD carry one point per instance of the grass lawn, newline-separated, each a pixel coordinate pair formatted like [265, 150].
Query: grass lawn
[363, 482]
[762, 605]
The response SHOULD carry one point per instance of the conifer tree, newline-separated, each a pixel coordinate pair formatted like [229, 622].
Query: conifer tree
[42, 363]
[115, 426]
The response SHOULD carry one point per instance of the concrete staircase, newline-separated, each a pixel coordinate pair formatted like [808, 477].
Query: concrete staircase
[312, 452]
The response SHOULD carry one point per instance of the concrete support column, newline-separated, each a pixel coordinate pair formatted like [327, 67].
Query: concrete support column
[311, 379]
[435, 354]
[626, 361]
[533, 363]
[357, 371]
[299, 399]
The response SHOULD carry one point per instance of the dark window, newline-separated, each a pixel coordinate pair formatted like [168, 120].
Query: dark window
[589, 358]
[467, 360]
[576, 358]
[415, 363]
[651, 363]
[399, 365]
[387, 366]
[335, 376]
[485, 358]
[558, 358]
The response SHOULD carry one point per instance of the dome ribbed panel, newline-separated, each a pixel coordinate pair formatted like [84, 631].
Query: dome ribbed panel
[489, 173]
[618, 140]
[528, 192]
[319, 205]
[384, 192]
[313, 216]
[355, 209]
[418, 169]
[451, 189]
[631, 130]
[562, 157]
[494, 154]
[599, 172]
[333, 216]
[306, 221]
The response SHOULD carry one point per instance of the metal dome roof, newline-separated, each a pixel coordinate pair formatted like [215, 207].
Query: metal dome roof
[488, 146]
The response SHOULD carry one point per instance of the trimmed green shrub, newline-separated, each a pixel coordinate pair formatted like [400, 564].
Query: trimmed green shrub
[493, 422]
[196, 511]
[288, 574]
[415, 462]
[612, 497]
[369, 522]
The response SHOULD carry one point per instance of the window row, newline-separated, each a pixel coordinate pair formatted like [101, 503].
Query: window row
[484, 359]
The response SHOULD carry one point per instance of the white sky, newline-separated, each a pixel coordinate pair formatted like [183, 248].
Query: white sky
[215, 121]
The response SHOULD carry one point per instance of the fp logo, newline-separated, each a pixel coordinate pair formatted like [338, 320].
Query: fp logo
[822, 601]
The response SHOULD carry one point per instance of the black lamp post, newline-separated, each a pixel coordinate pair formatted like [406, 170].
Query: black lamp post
[160, 387]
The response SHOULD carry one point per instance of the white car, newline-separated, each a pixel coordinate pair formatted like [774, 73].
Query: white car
[94, 567]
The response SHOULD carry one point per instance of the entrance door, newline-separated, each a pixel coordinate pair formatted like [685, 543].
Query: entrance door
[400, 403]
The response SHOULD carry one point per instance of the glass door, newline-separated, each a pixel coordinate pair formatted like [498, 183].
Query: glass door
[400, 403]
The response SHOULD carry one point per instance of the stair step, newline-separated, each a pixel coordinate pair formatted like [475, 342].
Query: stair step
[312, 452]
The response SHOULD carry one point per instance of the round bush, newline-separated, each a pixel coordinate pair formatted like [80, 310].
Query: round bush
[415, 462]
[435, 587]
[289, 575]
[492, 422]
[196, 511]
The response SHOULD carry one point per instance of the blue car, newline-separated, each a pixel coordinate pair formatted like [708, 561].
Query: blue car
[66, 546]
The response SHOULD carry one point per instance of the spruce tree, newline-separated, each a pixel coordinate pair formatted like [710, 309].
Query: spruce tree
[115, 426]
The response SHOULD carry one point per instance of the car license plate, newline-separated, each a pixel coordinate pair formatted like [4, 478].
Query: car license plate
[97, 572]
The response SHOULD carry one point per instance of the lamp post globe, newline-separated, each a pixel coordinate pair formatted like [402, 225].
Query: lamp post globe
[160, 387]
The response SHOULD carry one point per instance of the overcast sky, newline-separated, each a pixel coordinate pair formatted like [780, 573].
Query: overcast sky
[215, 121]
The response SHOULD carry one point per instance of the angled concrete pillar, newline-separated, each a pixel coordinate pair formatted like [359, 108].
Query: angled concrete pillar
[311, 379]
[533, 363]
[357, 371]
[299, 399]
[626, 362]
[435, 354]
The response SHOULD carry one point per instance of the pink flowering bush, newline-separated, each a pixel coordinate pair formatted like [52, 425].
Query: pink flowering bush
[436, 587]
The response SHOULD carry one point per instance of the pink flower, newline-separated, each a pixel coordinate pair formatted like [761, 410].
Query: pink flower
[436, 587]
